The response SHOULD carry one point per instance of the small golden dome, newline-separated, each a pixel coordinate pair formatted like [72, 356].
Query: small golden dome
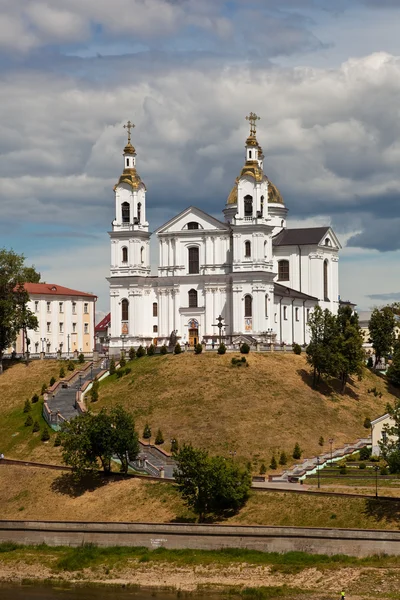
[252, 141]
[274, 195]
[130, 177]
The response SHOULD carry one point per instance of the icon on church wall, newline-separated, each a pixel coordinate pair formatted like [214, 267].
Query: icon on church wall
[124, 329]
[193, 324]
[248, 324]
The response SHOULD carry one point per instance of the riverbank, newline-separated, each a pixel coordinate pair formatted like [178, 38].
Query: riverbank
[271, 574]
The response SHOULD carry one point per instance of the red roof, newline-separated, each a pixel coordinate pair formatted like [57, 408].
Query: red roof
[104, 323]
[51, 289]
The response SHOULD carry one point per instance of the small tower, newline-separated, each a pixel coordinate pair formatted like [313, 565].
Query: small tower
[130, 238]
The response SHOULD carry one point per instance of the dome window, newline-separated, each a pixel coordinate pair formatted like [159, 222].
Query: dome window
[193, 225]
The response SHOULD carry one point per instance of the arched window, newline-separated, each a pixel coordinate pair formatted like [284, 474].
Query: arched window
[248, 306]
[265, 249]
[250, 153]
[139, 211]
[248, 206]
[142, 254]
[326, 296]
[155, 309]
[327, 242]
[124, 254]
[194, 265]
[125, 310]
[247, 249]
[192, 298]
[127, 162]
[283, 270]
[193, 225]
[266, 306]
[126, 213]
[262, 205]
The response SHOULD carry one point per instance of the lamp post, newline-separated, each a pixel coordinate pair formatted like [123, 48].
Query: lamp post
[376, 468]
[331, 442]
[233, 454]
[220, 326]
[319, 485]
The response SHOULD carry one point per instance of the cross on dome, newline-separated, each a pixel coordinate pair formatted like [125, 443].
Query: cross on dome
[252, 118]
[129, 126]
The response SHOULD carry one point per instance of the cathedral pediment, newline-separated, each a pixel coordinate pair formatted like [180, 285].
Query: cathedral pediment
[191, 219]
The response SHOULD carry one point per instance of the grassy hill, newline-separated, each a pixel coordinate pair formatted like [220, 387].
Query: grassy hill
[255, 411]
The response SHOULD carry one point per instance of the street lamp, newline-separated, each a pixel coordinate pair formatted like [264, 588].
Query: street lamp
[376, 468]
[233, 454]
[331, 442]
[319, 485]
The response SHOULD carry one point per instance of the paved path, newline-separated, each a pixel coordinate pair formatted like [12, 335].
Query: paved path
[64, 399]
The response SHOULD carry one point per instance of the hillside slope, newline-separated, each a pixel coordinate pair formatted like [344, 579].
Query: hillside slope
[254, 411]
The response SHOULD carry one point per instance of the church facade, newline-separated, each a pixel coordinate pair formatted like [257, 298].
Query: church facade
[259, 279]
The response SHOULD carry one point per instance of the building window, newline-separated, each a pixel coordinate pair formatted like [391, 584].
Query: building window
[265, 249]
[142, 254]
[73, 327]
[250, 153]
[61, 327]
[48, 306]
[61, 307]
[48, 328]
[125, 310]
[194, 265]
[247, 249]
[193, 225]
[283, 270]
[248, 306]
[262, 205]
[127, 162]
[326, 297]
[86, 328]
[285, 313]
[124, 254]
[36, 306]
[139, 212]
[266, 306]
[155, 329]
[327, 242]
[275, 318]
[86, 308]
[192, 298]
[296, 312]
[74, 308]
[248, 206]
[126, 212]
[308, 315]
[155, 309]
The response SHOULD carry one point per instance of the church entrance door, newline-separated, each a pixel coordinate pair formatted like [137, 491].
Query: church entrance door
[193, 337]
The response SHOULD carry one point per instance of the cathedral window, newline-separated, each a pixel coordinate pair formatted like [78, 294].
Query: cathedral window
[192, 299]
[155, 309]
[283, 270]
[308, 315]
[139, 211]
[249, 153]
[125, 310]
[126, 213]
[248, 306]
[194, 265]
[262, 205]
[248, 206]
[247, 249]
[142, 254]
[155, 329]
[124, 254]
[266, 306]
[265, 249]
[127, 162]
[193, 225]
[326, 296]
[296, 312]
[285, 313]
[327, 242]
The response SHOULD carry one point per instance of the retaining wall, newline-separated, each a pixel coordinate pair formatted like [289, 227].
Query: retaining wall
[207, 537]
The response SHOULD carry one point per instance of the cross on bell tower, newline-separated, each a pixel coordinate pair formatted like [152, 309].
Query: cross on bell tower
[129, 126]
[252, 118]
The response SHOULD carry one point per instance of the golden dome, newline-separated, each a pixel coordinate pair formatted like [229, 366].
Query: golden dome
[274, 195]
[130, 177]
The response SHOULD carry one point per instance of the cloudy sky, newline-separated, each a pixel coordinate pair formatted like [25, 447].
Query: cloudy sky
[324, 75]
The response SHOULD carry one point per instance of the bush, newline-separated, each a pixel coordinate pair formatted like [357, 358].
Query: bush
[122, 360]
[70, 366]
[367, 423]
[45, 435]
[296, 348]
[52, 381]
[362, 465]
[221, 349]
[57, 441]
[159, 438]
[151, 350]
[263, 469]
[120, 373]
[132, 353]
[198, 349]
[35, 397]
[283, 458]
[44, 388]
[274, 464]
[383, 471]
[81, 359]
[62, 373]
[140, 352]
[297, 451]
[127, 370]
[29, 421]
[177, 349]
[244, 348]
[36, 427]
[27, 406]
[365, 453]
[374, 458]
[342, 470]
[370, 362]
[112, 367]
[94, 392]
[147, 432]
[238, 362]
[321, 441]
[163, 349]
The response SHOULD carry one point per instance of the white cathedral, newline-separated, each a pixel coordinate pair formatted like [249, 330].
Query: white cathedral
[249, 272]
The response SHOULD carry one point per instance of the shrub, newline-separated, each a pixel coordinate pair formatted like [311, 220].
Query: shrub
[147, 432]
[44, 388]
[370, 362]
[374, 458]
[263, 469]
[120, 373]
[383, 471]
[132, 353]
[163, 349]
[112, 367]
[365, 453]
[159, 438]
[177, 349]
[367, 423]
[244, 348]
[297, 451]
[94, 392]
[52, 381]
[81, 359]
[122, 360]
[274, 464]
[198, 349]
[29, 421]
[151, 350]
[343, 470]
[62, 372]
[45, 435]
[35, 397]
[36, 427]
[57, 441]
[127, 370]
[296, 348]
[27, 406]
[70, 366]
[140, 352]
[283, 458]
[362, 465]
[321, 441]
[243, 359]
[221, 349]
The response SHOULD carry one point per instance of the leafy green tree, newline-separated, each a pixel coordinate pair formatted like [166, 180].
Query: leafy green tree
[296, 348]
[52, 381]
[27, 406]
[81, 358]
[283, 459]
[151, 350]
[62, 372]
[132, 353]
[147, 432]
[15, 315]
[76, 442]
[35, 397]
[36, 427]
[297, 451]
[45, 435]
[94, 391]
[70, 366]
[390, 444]
[198, 349]
[210, 486]
[322, 351]
[367, 423]
[381, 332]
[174, 445]
[350, 345]
[263, 469]
[393, 372]
[274, 464]
[159, 438]
[122, 360]
[112, 369]
[57, 441]
[125, 440]
[370, 362]
[29, 421]
[178, 348]
[140, 352]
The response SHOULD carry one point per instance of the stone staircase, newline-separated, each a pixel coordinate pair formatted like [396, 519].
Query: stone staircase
[153, 461]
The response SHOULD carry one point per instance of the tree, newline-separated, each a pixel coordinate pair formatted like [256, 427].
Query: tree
[140, 352]
[163, 349]
[44, 388]
[283, 458]
[221, 349]
[297, 451]
[81, 358]
[62, 372]
[122, 360]
[296, 348]
[159, 438]
[210, 485]
[29, 421]
[322, 351]
[174, 445]
[274, 464]
[151, 350]
[367, 423]
[36, 427]
[27, 406]
[94, 392]
[45, 435]
[263, 469]
[390, 444]
[393, 372]
[77, 451]
[321, 441]
[381, 332]
[35, 397]
[14, 313]
[112, 369]
[125, 440]
[178, 348]
[350, 345]
[147, 432]
[244, 348]
[132, 353]
[52, 382]
[198, 349]
[70, 366]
